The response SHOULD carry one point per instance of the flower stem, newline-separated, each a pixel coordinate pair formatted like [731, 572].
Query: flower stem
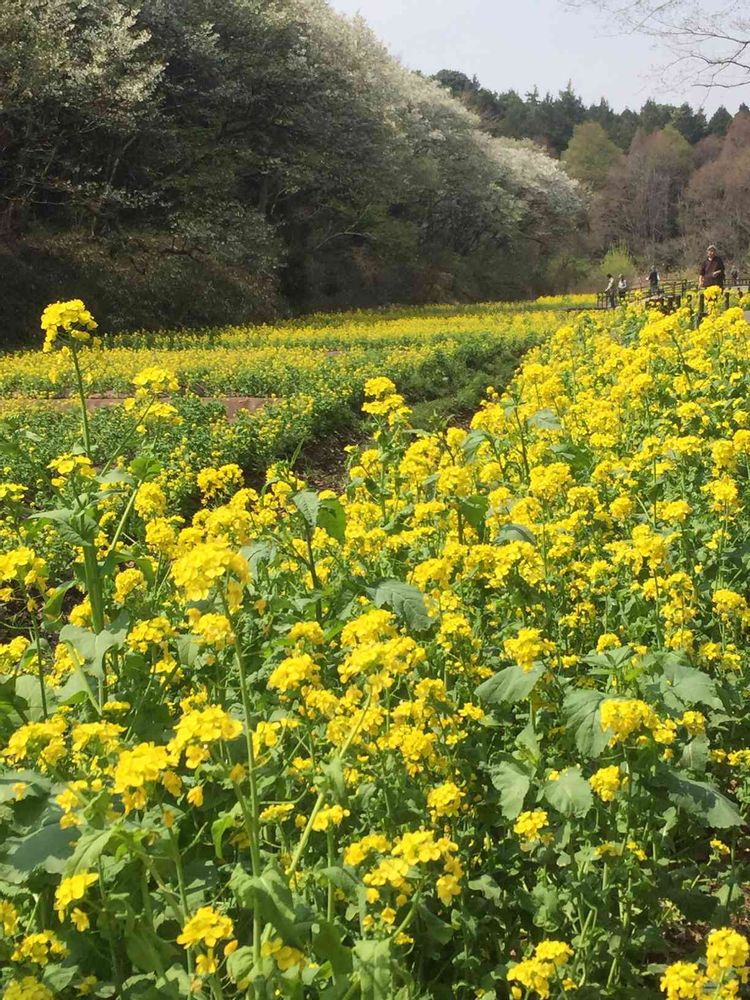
[82, 398]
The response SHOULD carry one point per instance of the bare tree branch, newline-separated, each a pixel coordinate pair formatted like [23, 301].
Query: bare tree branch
[710, 50]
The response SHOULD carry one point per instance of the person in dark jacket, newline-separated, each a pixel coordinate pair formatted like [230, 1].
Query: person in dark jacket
[653, 281]
[609, 291]
[712, 269]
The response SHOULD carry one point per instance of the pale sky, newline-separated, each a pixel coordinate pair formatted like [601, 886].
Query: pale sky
[522, 43]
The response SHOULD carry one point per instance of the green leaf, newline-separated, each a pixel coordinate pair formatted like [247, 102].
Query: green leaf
[702, 800]
[373, 962]
[327, 945]
[344, 880]
[488, 888]
[437, 929]
[144, 948]
[695, 755]
[49, 847]
[307, 503]
[406, 602]
[91, 647]
[581, 714]
[510, 685]
[683, 686]
[53, 605]
[332, 519]
[513, 782]
[472, 442]
[36, 785]
[257, 554]
[474, 510]
[547, 913]
[335, 774]
[570, 794]
[516, 533]
[218, 828]
[271, 893]
[145, 467]
[240, 965]
[545, 420]
[88, 850]
[74, 527]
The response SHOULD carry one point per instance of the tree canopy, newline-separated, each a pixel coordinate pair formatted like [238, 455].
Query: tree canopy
[192, 161]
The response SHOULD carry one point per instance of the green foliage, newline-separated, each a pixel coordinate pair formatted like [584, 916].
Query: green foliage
[164, 159]
[590, 155]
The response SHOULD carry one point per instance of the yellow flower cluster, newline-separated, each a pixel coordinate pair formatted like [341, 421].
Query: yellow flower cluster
[537, 972]
[67, 319]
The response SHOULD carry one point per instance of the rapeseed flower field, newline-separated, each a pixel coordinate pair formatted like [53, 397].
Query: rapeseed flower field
[474, 726]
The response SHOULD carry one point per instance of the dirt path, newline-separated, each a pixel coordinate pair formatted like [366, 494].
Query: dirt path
[233, 405]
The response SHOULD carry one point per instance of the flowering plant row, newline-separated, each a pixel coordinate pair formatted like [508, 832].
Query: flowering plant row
[475, 727]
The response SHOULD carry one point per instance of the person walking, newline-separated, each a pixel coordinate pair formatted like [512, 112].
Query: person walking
[712, 270]
[622, 288]
[653, 281]
[609, 291]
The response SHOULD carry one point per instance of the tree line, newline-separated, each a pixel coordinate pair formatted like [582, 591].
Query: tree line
[203, 161]
[661, 182]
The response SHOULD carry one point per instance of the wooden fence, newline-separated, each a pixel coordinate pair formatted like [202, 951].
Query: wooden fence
[671, 295]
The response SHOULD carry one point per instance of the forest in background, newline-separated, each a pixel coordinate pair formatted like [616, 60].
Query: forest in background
[192, 162]
[660, 182]
[196, 162]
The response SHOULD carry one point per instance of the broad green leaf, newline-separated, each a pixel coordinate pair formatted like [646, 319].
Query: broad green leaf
[307, 503]
[257, 554]
[74, 527]
[488, 888]
[145, 467]
[472, 442]
[695, 755]
[510, 685]
[240, 965]
[581, 714]
[328, 946]
[332, 519]
[548, 913]
[702, 800]
[144, 948]
[48, 847]
[271, 893]
[218, 828]
[513, 782]
[88, 850]
[474, 509]
[570, 794]
[373, 962]
[352, 888]
[36, 784]
[516, 533]
[683, 686]
[545, 420]
[334, 771]
[437, 930]
[53, 605]
[406, 602]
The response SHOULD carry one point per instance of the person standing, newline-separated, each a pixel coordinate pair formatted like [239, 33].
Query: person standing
[653, 281]
[712, 270]
[622, 288]
[734, 275]
[609, 291]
